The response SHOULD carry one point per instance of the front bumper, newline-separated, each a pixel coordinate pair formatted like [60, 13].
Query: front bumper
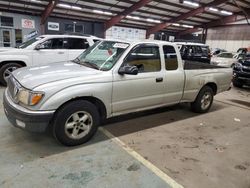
[241, 77]
[33, 121]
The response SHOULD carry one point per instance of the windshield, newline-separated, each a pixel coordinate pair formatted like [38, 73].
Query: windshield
[29, 42]
[102, 55]
[226, 55]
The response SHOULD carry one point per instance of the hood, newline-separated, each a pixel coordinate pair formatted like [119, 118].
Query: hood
[3, 49]
[12, 51]
[223, 60]
[31, 77]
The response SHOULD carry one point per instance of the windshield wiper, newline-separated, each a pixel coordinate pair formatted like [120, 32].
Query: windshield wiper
[88, 64]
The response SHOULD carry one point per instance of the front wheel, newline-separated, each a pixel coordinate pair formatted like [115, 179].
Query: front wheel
[76, 122]
[203, 100]
[6, 70]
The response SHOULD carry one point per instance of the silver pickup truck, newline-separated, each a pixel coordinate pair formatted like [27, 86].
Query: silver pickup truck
[110, 78]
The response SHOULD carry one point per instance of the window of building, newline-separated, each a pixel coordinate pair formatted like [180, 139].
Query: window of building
[171, 62]
[145, 57]
[69, 27]
[6, 38]
[77, 43]
[79, 28]
[7, 21]
[18, 35]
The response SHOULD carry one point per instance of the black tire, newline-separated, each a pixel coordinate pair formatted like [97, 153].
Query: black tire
[197, 105]
[5, 67]
[64, 115]
[237, 84]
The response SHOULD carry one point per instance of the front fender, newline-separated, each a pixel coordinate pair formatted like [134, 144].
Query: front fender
[10, 58]
[101, 91]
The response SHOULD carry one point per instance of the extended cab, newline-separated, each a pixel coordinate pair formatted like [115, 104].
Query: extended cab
[42, 50]
[110, 78]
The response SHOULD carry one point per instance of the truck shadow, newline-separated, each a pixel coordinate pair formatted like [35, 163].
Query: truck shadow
[244, 88]
[166, 116]
[44, 145]
[244, 103]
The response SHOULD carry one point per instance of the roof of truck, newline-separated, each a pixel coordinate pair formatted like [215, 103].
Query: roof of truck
[142, 41]
[190, 43]
[69, 35]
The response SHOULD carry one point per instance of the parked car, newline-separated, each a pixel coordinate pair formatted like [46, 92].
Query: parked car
[225, 59]
[243, 50]
[41, 50]
[110, 78]
[195, 52]
[217, 51]
[241, 72]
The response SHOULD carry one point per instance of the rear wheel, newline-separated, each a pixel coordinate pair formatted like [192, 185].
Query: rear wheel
[203, 100]
[76, 122]
[6, 70]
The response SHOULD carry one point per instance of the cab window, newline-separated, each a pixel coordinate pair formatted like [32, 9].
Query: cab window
[145, 57]
[56, 43]
[171, 62]
[198, 49]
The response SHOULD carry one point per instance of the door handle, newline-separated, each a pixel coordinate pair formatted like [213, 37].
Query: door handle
[159, 79]
[60, 52]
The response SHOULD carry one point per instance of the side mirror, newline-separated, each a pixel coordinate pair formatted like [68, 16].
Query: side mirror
[39, 47]
[132, 70]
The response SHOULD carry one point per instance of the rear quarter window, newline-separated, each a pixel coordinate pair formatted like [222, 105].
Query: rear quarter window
[77, 43]
[171, 62]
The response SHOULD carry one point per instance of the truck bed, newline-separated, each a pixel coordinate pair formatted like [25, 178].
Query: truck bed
[197, 74]
[193, 65]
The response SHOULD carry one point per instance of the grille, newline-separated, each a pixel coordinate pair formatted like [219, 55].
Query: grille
[246, 69]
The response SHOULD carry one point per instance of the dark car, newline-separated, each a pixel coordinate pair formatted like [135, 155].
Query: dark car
[195, 52]
[243, 50]
[241, 72]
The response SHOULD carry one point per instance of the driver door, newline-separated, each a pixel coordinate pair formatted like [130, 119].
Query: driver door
[52, 50]
[141, 91]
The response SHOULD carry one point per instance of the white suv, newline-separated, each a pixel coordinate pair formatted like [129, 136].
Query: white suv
[42, 50]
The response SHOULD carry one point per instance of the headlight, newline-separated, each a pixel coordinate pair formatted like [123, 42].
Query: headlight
[238, 66]
[29, 97]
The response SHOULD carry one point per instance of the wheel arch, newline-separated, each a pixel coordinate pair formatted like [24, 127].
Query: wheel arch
[213, 86]
[13, 61]
[97, 102]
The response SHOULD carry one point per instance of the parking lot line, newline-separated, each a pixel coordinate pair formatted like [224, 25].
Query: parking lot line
[141, 159]
[232, 104]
